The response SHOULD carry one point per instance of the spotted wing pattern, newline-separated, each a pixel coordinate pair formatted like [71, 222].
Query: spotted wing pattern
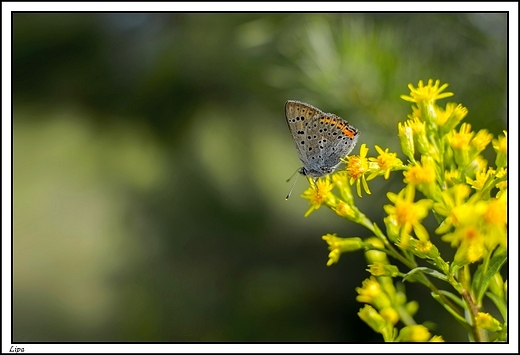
[321, 138]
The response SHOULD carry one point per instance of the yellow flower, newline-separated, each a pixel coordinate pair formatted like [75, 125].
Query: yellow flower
[357, 166]
[481, 140]
[345, 210]
[341, 181]
[390, 315]
[460, 141]
[419, 132]
[419, 174]
[477, 164]
[407, 213]
[340, 245]
[374, 320]
[418, 126]
[319, 194]
[406, 138]
[379, 268]
[414, 333]
[495, 222]
[369, 290]
[424, 249]
[436, 339]
[487, 322]
[372, 292]
[449, 119]
[472, 244]
[500, 146]
[386, 162]
[452, 177]
[480, 179]
[429, 93]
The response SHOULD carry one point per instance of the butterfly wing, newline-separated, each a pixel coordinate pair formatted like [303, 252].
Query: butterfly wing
[321, 138]
[337, 138]
[298, 115]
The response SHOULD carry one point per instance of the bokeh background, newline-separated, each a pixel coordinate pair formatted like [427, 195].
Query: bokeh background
[151, 155]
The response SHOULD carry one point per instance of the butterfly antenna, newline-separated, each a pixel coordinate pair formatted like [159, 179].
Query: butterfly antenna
[294, 183]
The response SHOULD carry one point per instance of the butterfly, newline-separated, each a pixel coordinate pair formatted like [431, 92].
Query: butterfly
[321, 138]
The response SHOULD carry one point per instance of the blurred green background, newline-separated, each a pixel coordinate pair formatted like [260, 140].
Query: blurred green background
[151, 155]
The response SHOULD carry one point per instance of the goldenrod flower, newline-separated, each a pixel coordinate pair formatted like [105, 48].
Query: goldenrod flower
[424, 249]
[341, 181]
[429, 93]
[319, 194]
[452, 177]
[406, 138]
[495, 222]
[340, 245]
[477, 164]
[390, 315]
[487, 322]
[385, 162]
[414, 333]
[449, 119]
[500, 146]
[371, 292]
[345, 210]
[481, 140]
[470, 242]
[436, 339]
[480, 179]
[381, 269]
[496, 212]
[357, 167]
[459, 141]
[419, 133]
[502, 186]
[375, 321]
[407, 213]
[419, 174]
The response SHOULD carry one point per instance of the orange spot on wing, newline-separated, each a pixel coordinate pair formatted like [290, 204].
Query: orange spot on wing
[345, 129]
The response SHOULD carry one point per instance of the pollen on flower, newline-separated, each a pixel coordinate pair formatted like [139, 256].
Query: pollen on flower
[356, 167]
[318, 194]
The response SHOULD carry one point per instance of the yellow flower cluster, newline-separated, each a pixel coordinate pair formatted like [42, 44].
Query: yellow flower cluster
[466, 196]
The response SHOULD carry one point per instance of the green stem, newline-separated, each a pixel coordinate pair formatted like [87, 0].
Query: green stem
[392, 252]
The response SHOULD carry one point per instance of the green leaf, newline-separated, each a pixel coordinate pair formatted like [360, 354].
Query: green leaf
[453, 312]
[483, 275]
[417, 273]
[500, 304]
[454, 298]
